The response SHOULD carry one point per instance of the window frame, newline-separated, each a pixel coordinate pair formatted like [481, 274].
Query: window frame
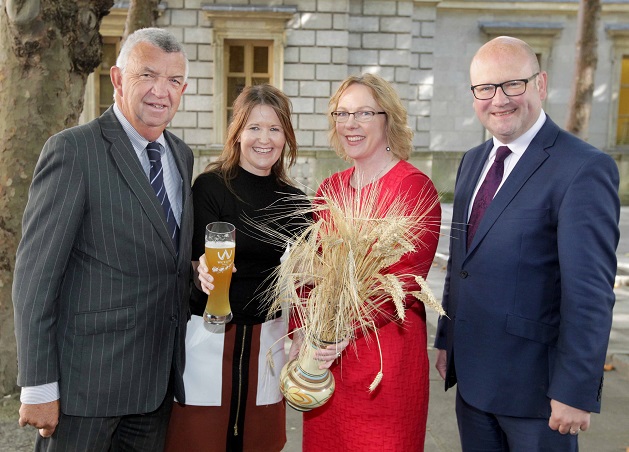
[248, 74]
[245, 23]
[619, 34]
[623, 61]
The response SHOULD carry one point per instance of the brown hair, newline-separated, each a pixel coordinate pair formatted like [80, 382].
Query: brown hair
[399, 134]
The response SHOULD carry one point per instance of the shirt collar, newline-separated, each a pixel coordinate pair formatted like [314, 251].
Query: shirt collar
[137, 141]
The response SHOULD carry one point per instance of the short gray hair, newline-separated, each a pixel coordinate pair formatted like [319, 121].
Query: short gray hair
[157, 37]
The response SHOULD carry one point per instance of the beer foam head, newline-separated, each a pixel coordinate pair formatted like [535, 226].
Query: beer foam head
[220, 245]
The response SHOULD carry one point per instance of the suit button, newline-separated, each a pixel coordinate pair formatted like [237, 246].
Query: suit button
[173, 318]
[463, 274]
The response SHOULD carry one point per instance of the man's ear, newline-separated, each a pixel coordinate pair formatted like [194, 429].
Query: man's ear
[116, 79]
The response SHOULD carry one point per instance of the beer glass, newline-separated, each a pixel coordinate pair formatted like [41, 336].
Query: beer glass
[220, 244]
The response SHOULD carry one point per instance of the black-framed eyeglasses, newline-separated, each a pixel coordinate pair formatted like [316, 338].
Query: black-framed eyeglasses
[511, 88]
[360, 116]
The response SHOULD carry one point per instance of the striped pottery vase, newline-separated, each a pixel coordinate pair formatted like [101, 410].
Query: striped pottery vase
[303, 384]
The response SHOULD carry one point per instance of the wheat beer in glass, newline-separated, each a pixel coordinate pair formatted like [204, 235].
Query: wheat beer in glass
[220, 244]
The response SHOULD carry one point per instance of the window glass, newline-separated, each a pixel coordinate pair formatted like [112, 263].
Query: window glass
[261, 59]
[236, 58]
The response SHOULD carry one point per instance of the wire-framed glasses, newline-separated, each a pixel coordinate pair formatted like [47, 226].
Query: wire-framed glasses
[360, 116]
[511, 88]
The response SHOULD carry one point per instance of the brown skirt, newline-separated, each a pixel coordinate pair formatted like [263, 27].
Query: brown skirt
[238, 424]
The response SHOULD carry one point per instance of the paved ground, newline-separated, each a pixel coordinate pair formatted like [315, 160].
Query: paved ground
[609, 431]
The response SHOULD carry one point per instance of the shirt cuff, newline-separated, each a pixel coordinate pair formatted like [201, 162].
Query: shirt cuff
[32, 395]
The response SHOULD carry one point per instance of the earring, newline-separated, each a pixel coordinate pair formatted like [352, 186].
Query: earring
[388, 149]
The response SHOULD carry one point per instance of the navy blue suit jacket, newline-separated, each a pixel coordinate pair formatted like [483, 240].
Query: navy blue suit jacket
[530, 302]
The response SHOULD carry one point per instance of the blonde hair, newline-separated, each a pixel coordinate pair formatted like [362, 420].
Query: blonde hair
[250, 97]
[399, 134]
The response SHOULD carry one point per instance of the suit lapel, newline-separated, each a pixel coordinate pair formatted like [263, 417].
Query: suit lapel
[127, 162]
[531, 160]
[186, 205]
[474, 173]
[466, 182]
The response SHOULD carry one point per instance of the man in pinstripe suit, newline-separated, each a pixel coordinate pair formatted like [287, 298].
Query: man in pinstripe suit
[100, 286]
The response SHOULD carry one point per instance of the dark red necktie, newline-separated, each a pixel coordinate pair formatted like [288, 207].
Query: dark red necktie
[487, 191]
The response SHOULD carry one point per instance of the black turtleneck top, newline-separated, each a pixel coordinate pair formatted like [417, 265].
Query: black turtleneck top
[257, 255]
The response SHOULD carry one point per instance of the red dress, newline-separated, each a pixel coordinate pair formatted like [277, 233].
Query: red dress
[393, 416]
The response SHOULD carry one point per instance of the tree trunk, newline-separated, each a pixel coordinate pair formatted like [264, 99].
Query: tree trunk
[47, 50]
[586, 58]
[141, 14]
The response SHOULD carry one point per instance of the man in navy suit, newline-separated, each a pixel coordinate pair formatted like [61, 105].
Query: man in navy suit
[529, 296]
[102, 271]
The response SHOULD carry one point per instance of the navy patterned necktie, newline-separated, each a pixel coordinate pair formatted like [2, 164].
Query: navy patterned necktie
[486, 192]
[156, 177]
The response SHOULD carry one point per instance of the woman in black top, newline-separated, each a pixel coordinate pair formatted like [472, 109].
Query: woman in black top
[233, 401]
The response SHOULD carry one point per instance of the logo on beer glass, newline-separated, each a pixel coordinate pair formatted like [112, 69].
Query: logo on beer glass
[224, 257]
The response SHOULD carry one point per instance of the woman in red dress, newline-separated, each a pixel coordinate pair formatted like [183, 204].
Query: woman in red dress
[369, 128]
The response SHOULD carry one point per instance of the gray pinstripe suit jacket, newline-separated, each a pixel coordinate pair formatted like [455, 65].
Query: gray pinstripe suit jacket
[100, 295]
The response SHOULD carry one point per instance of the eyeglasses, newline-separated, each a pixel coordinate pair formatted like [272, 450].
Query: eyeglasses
[360, 116]
[511, 88]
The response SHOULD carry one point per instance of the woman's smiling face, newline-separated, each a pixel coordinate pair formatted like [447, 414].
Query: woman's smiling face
[261, 141]
[361, 139]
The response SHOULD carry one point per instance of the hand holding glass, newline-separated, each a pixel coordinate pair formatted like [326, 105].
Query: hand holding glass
[220, 244]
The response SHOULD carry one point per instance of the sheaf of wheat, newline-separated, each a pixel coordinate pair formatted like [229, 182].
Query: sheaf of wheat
[337, 277]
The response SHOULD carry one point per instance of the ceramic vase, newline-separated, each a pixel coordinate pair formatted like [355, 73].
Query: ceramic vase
[303, 384]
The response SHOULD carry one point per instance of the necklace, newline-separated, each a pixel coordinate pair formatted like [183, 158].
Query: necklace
[357, 181]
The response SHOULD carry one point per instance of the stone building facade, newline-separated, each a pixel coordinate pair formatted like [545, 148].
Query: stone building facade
[423, 47]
